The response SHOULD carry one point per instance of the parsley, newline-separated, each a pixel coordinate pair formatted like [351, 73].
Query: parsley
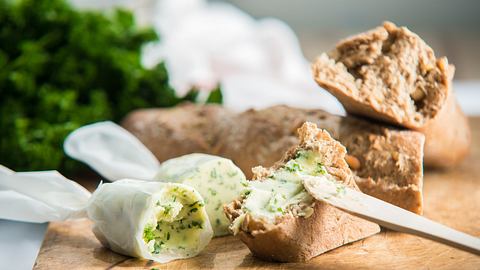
[300, 154]
[215, 96]
[196, 224]
[62, 68]
[320, 169]
[157, 247]
[148, 233]
[194, 203]
[341, 190]
[166, 209]
[293, 166]
[212, 191]
[232, 174]
[213, 173]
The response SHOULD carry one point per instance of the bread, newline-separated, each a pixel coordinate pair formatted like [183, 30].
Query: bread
[291, 237]
[391, 74]
[387, 161]
[171, 133]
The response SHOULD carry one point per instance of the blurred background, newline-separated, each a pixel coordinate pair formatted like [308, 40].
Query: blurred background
[63, 67]
[451, 28]
[68, 63]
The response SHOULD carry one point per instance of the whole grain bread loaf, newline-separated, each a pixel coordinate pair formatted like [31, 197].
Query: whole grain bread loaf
[387, 162]
[390, 74]
[293, 238]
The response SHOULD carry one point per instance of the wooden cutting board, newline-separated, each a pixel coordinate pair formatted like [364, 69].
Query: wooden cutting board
[452, 198]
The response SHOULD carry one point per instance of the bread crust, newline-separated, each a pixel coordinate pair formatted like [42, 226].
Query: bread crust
[408, 88]
[294, 239]
[170, 133]
[300, 239]
[389, 160]
[447, 136]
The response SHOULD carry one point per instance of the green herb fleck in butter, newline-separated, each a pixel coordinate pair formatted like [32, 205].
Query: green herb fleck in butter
[279, 192]
[217, 179]
[176, 222]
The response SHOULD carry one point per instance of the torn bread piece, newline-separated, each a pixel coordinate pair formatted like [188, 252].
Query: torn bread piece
[391, 74]
[280, 221]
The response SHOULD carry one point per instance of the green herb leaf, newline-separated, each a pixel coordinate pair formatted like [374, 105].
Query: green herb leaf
[292, 166]
[62, 68]
[148, 233]
[215, 96]
[320, 169]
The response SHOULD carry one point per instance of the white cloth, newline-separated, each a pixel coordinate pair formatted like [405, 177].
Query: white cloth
[258, 63]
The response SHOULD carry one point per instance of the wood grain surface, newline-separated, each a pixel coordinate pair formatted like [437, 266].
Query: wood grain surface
[451, 197]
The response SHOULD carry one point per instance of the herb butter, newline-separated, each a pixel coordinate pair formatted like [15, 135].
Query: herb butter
[151, 220]
[175, 222]
[282, 191]
[217, 179]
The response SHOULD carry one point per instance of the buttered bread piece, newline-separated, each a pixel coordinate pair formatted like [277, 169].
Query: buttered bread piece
[282, 190]
[217, 179]
[279, 220]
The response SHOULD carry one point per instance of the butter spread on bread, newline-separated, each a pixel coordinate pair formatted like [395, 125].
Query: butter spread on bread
[276, 217]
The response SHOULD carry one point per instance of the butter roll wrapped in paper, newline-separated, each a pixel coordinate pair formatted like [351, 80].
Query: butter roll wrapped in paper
[150, 220]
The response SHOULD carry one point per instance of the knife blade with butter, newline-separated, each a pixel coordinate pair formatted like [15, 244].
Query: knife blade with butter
[387, 215]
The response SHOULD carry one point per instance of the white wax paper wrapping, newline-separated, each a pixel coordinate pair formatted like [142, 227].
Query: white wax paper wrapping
[98, 146]
[111, 151]
[40, 196]
[121, 210]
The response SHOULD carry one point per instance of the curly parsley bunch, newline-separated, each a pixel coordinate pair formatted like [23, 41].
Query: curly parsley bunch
[61, 68]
